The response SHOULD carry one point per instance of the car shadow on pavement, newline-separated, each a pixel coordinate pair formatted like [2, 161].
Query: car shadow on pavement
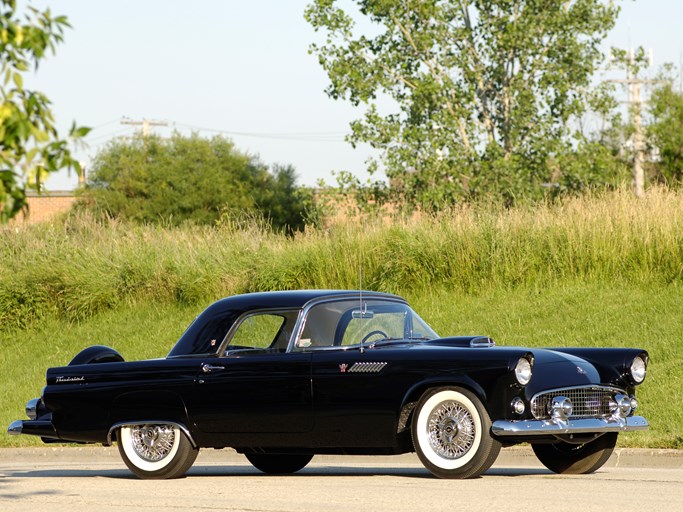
[237, 471]
[68, 473]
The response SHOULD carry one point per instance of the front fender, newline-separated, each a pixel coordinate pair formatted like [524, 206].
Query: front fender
[416, 391]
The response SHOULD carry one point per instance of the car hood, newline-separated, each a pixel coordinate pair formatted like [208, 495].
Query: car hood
[564, 369]
[552, 368]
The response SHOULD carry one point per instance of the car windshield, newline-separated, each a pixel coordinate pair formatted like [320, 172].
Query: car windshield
[349, 322]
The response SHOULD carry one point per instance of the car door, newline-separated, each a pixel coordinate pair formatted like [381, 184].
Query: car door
[357, 392]
[256, 386]
[356, 396]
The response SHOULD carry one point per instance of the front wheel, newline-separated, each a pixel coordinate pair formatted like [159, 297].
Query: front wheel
[576, 459]
[156, 450]
[451, 434]
[277, 463]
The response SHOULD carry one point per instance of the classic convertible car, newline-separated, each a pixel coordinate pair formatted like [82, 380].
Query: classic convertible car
[281, 376]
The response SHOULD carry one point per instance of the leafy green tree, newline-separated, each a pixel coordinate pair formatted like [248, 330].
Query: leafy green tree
[666, 134]
[190, 179]
[29, 141]
[284, 203]
[465, 98]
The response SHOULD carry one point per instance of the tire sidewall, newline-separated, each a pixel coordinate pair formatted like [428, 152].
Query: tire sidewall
[174, 464]
[480, 455]
[278, 463]
[563, 458]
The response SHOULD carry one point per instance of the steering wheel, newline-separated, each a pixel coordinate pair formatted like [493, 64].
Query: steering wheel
[373, 333]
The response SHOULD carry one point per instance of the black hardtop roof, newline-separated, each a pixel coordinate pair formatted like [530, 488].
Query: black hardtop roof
[222, 313]
[290, 298]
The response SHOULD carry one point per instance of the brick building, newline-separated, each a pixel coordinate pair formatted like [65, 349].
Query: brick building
[45, 206]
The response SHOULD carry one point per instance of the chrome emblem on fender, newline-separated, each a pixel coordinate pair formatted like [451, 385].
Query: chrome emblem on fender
[581, 371]
[367, 367]
[343, 367]
[60, 379]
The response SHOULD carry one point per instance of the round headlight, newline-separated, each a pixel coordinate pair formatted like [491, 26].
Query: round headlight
[523, 371]
[638, 369]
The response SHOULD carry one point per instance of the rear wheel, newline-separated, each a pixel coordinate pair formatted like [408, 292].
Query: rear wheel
[156, 450]
[576, 459]
[451, 434]
[277, 463]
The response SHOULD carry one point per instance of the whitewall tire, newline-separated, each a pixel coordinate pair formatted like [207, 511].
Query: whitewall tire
[156, 450]
[451, 433]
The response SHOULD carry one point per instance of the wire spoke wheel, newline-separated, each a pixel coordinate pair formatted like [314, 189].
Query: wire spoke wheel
[451, 433]
[156, 450]
[451, 430]
[153, 442]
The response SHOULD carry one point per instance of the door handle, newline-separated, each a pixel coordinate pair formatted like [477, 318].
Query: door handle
[208, 368]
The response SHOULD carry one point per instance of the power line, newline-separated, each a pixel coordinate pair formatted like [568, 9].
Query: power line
[113, 133]
[93, 128]
[301, 136]
[146, 124]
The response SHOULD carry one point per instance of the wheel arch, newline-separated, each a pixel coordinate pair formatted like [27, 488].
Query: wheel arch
[415, 392]
[145, 407]
[111, 435]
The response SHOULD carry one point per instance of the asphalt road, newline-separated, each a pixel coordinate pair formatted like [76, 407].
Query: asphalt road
[95, 479]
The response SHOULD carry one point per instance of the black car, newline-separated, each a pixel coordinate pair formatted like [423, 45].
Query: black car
[281, 376]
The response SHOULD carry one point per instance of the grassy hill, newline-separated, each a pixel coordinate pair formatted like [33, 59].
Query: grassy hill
[593, 271]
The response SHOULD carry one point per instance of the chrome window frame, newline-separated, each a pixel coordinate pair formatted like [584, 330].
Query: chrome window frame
[223, 345]
[301, 322]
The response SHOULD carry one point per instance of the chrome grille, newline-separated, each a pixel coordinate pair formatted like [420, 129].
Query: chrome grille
[587, 402]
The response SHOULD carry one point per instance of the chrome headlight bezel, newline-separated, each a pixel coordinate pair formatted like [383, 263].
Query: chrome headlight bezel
[524, 370]
[638, 369]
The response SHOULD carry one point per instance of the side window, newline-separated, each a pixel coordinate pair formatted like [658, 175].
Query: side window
[260, 332]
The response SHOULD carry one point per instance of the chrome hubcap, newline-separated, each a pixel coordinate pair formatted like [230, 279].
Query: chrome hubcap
[451, 430]
[152, 442]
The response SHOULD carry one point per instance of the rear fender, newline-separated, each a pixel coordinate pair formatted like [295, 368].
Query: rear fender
[138, 407]
[96, 354]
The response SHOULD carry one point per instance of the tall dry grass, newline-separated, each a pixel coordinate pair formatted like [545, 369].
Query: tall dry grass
[81, 267]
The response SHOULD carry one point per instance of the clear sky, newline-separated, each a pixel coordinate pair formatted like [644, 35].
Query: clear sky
[240, 68]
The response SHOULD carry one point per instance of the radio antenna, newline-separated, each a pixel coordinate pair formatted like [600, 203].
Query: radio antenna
[360, 296]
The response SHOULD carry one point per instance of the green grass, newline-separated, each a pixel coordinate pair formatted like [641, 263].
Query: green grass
[592, 315]
[607, 314]
[141, 331]
[601, 271]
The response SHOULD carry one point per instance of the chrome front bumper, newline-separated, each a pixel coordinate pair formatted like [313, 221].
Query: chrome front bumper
[505, 428]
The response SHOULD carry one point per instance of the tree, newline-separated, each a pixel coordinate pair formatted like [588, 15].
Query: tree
[284, 203]
[465, 98]
[666, 133]
[189, 179]
[29, 141]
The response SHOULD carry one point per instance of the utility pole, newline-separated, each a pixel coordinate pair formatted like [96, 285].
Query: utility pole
[145, 123]
[636, 104]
